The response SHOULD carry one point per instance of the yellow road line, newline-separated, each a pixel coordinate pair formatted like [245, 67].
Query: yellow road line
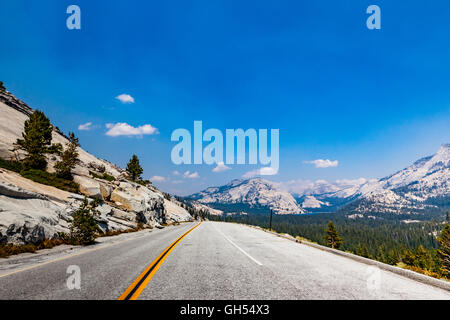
[138, 285]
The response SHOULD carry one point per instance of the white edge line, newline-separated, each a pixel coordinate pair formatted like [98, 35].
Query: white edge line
[68, 256]
[64, 257]
[234, 244]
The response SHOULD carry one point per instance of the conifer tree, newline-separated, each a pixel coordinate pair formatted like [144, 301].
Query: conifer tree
[444, 251]
[2, 86]
[366, 253]
[83, 227]
[381, 256]
[37, 137]
[332, 237]
[134, 168]
[392, 257]
[408, 257]
[422, 258]
[359, 249]
[69, 158]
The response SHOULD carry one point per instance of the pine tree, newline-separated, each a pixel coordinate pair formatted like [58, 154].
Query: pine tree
[83, 227]
[332, 237]
[392, 257]
[365, 252]
[134, 168]
[359, 249]
[381, 256]
[2, 86]
[408, 257]
[37, 137]
[69, 158]
[422, 258]
[444, 251]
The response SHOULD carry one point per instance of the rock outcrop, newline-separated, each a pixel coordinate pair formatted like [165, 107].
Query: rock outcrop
[28, 217]
[30, 212]
[89, 187]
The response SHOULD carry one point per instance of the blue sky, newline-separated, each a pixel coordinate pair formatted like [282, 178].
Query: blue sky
[375, 100]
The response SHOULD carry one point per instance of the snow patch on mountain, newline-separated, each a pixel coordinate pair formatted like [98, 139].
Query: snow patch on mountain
[312, 202]
[415, 189]
[255, 192]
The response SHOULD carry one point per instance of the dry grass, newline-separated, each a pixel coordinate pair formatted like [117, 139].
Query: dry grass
[12, 249]
[9, 249]
[422, 271]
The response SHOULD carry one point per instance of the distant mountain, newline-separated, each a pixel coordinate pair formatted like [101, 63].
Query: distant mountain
[419, 188]
[423, 187]
[323, 196]
[307, 188]
[254, 195]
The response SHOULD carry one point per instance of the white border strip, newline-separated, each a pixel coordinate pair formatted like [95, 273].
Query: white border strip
[234, 244]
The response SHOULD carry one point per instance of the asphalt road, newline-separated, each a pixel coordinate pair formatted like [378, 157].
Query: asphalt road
[214, 261]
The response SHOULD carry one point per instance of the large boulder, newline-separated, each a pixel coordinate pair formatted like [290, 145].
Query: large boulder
[105, 190]
[148, 205]
[89, 187]
[115, 219]
[97, 167]
[124, 215]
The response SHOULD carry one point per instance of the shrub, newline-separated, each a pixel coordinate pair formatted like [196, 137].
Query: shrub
[103, 176]
[69, 158]
[10, 249]
[15, 166]
[408, 257]
[143, 182]
[83, 227]
[40, 176]
[50, 179]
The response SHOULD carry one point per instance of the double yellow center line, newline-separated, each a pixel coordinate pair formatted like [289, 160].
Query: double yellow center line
[133, 291]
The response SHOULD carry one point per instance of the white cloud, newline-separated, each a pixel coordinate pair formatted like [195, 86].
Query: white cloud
[250, 174]
[320, 163]
[85, 127]
[124, 129]
[265, 171]
[176, 173]
[157, 179]
[350, 182]
[190, 175]
[221, 167]
[125, 98]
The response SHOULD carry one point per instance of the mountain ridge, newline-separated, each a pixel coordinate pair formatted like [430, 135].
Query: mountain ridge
[253, 194]
[420, 188]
